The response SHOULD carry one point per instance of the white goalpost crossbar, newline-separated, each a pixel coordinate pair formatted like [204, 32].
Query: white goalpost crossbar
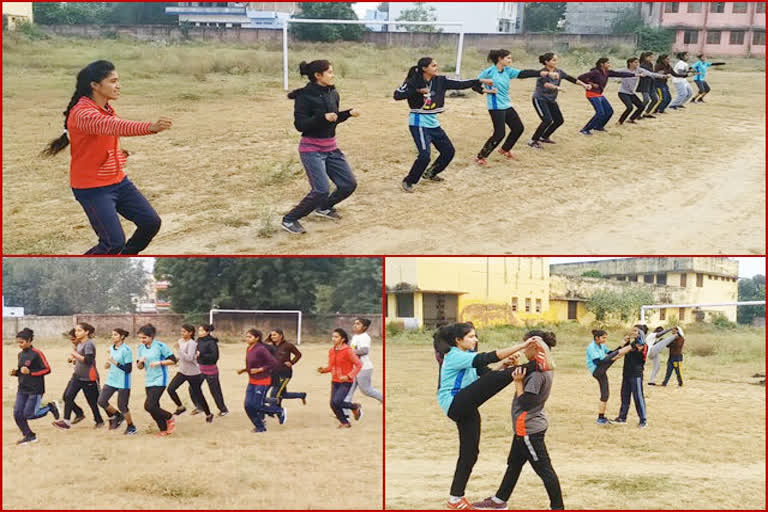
[459, 24]
[705, 305]
[279, 311]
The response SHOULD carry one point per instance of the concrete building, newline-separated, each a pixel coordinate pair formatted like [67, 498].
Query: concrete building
[234, 14]
[596, 17]
[9, 311]
[478, 17]
[15, 12]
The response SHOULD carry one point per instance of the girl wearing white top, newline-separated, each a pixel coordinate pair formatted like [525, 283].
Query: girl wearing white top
[361, 344]
[189, 371]
[682, 87]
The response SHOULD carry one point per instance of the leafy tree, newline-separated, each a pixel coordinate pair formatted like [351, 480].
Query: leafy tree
[592, 273]
[544, 16]
[419, 12]
[657, 40]
[327, 32]
[81, 13]
[358, 287]
[751, 289]
[624, 305]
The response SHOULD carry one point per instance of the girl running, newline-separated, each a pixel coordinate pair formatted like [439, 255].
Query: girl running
[259, 365]
[85, 378]
[532, 389]
[316, 114]
[461, 393]
[207, 356]
[31, 369]
[598, 78]
[632, 376]
[627, 90]
[343, 365]
[119, 366]
[96, 174]
[656, 343]
[499, 105]
[189, 371]
[154, 356]
[599, 359]
[545, 100]
[79, 414]
[700, 78]
[645, 85]
[361, 344]
[287, 355]
[662, 88]
[425, 91]
[682, 87]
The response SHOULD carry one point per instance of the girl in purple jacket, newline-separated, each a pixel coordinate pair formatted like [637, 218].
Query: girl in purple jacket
[598, 78]
[259, 364]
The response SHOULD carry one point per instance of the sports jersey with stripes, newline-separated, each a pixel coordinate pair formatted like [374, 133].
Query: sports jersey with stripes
[456, 373]
[116, 377]
[157, 351]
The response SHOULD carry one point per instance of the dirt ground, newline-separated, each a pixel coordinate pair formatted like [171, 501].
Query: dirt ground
[690, 182]
[702, 440]
[305, 463]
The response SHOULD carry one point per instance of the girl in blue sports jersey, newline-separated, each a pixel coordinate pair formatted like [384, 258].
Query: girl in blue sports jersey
[461, 393]
[599, 359]
[154, 356]
[119, 366]
[499, 105]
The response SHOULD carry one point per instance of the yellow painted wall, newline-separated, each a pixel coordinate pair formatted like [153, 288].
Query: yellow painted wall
[714, 289]
[17, 11]
[559, 312]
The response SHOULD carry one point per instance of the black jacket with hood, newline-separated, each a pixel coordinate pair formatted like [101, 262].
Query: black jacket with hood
[437, 88]
[311, 103]
[208, 347]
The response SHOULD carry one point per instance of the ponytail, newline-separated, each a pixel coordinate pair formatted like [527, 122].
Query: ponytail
[600, 62]
[543, 59]
[414, 72]
[495, 55]
[596, 333]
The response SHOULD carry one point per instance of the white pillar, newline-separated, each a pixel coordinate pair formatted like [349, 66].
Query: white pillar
[458, 54]
[285, 55]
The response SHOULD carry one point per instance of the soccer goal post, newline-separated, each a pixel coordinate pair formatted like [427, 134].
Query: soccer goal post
[459, 49]
[643, 309]
[297, 313]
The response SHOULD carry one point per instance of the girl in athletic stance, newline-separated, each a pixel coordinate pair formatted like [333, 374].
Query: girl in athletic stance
[79, 414]
[700, 78]
[682, 87]
[461, 393]
[499, 105]
[316, 114]
[287, 355]
[31, 369]
[207, 356]
[425, 91]
[532, 388]
[627, 90]
[343, 365]
[545, 100]
[92, 130]
[189, 371]
[86, 377]
[675, 361]
[645, 85]
[259, 365]
[656, 343]
[361, 344]
[599, 359]
[154, 357]
[632, 376]
[598, 78]
[119, 366]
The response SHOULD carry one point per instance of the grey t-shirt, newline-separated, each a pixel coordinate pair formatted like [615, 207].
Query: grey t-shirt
[533, 420]
[85, 371]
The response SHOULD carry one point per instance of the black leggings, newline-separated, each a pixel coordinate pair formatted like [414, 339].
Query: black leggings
[123, 395]
[499, 118]
[551, 118]
[601, 374]
[531, 448]
[195, 390]
[214, 386]
[152, 406]
[464, 412]
[703, 87]
[75, 408]
[630, 101]
[90, 390]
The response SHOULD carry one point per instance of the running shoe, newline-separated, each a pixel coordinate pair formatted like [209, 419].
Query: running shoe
[180, 410]
[462, 504]
[585, 132]
[651, 383]
[329, 213]
[407, 187]
[293, 228]
[54, 407]
[304, 400]
[61, 424]
[603, 421]
[649, 116]
[171, 425]
[119, 418]
[357, 412]
[209, 418]
[344, 425]
[547, 141]
[642, 424]
[282, 416]
[489, 504]
[619, 421]
[507, 154]
[481, 161]
[436, 179]
[533, 144]
[223, 413]
[162, 433]
[258, 431]
[130, 430]
[195, 412]
[78, 419]
[32, 438]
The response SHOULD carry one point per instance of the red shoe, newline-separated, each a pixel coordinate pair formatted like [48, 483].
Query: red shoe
[481, 161]
[507, 154]
[171, 425]
[163, 433]
[462, 504]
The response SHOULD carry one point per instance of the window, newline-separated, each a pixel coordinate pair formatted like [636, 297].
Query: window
[699, 280]
[717, 7]
[671, 6]
[648, 278]
[683, 280]
[404, 305]
[713, 37]
[760, 7]
[621, 278]
[632, 278]
[737, 37]
[694, 7]
[573, 310]
[527, 305]
[758, 38]
[681, 314]
[691, 37]
[661, 278]
[739, 7]
[514, 303]
[538, 305]
[662, 314]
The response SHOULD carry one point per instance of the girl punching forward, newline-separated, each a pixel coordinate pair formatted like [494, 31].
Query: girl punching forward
[316, 114]
[598, 78]
[92, 130]
[425, 91]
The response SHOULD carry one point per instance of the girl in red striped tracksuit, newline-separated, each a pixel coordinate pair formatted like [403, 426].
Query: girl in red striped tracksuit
[92, 129]
[343, 365]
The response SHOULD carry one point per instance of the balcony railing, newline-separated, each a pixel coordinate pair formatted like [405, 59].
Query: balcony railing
[205, 10]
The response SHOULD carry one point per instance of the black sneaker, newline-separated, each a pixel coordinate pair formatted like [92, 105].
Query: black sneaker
[534, 144]
[642, 424]
[436, 179]
[406, 186]
[357, 412]
[330, 213]
[649, 116]
[547, 141]
[118, 419]
[209, 418]
[651, 383]
[54, 408]
[130, 430]
[293, 227]
[180, 410]
[620, 421]
[78, 419]
[32, 438]
[283, 415]
[585, 132]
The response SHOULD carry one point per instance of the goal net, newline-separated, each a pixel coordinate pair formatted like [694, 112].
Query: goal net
[235, 322]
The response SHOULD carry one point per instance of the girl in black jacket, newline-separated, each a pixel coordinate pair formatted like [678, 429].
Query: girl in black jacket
[207, 357]
[316, 114]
